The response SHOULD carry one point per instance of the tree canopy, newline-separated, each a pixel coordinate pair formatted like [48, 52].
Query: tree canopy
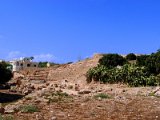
[5, 74]
[112, 60]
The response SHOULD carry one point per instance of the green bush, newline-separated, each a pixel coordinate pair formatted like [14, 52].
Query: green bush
[44, 64]
[96, 73]
[6, 117]
[29, 109]
[102, 96]
[153, 63]
[112, 60]
[59, 97]
[5, 74]
[131, 56]
[141, 60]
[113, 68]
[129, 74]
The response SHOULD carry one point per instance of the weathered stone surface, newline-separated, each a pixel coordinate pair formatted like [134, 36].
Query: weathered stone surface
[84, 92]
[157, 93]
[11, 108]
[38, 81]
[53, 118]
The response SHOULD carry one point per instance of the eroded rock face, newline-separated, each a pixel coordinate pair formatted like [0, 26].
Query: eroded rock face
[9, 109]
[157, 93]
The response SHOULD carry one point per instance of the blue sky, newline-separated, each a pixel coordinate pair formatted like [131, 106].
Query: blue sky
[67, 30]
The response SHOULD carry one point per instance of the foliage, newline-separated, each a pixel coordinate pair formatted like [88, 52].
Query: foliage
[5, 74]
[151, 62]
[6, 117]
[58, 97]
[44, 64]
[96, 73]
[29, 109]
[141, 60]
[129, 74]
[102, 96]
[131, 56]
[28, 58]
[112, 60]
[1, 118]
[113, 68]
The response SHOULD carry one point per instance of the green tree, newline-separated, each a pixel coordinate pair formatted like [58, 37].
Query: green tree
[5, 74]
[112, 60]
[131, 56]
[31, 58]
[141, 60]
[153, 63]
[42, 64]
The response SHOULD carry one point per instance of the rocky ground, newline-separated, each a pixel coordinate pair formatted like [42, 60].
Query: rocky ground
[62, 93]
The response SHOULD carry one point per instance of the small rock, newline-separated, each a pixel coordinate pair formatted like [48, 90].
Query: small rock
[11, 109]
[157, 93]
[77, 87]
[84, 92]
[53, 118]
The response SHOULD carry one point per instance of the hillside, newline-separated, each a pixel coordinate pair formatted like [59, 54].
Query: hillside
[62, 93]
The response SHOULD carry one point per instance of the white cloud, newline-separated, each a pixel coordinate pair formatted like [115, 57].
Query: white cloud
[44, 57]
[40, 57]
[15, 55]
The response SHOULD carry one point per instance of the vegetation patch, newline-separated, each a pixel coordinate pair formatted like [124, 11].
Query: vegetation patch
[131, 56]
[29, 109]
[59, 97]
[7, 117]
[28, 98]
[5, 72]
[113, 68]
[102, 96]
[152, 94]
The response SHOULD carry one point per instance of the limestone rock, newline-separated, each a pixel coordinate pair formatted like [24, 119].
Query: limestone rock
[84, 92]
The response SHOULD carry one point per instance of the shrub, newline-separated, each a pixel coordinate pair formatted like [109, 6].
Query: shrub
[146, 71]
[6, 117]
[129, 74]
[131, 56]
[153, 63]
[1, 118]
[5, 74]
[59, 97]
[96, 73]
[42, 64]
[112, 60]
[102, 96]
[29, 109]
